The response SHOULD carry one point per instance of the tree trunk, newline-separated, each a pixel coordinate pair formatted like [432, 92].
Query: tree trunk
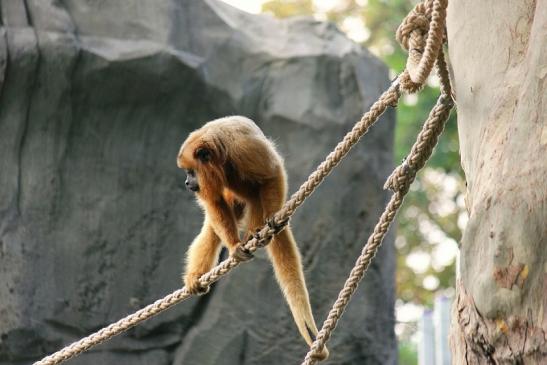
[498, 58]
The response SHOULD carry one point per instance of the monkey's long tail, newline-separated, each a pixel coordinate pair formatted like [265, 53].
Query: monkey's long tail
[288, 270]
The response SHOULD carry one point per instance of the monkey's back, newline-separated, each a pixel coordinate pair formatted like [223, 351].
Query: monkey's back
[253, 156]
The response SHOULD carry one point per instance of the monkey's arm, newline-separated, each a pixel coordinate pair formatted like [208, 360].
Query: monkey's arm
[201, 256]
[223, 221]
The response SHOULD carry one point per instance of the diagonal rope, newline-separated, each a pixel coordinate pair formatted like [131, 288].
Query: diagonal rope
[401, 178]
[434, 11]
[261, 238]
[400, 182]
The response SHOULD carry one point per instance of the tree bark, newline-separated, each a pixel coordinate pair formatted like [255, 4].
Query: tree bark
[499, 67]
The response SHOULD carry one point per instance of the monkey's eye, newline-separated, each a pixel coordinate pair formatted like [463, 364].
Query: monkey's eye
[190, 172]
[203, 154]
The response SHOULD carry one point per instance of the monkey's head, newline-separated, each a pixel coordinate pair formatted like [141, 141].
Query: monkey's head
[202, 156]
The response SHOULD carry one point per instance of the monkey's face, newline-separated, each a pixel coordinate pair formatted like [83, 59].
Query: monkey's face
[202, 159]
[191, 181]
[195, 158]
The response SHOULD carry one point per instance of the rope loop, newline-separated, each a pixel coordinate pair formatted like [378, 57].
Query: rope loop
[422, 34]
[415, 25]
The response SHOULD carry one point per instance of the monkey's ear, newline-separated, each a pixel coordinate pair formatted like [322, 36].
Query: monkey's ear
[203, 154]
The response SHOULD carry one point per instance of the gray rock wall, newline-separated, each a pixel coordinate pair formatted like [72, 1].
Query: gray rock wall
[96, 98]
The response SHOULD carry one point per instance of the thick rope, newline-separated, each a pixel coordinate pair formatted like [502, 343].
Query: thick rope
[422, 34]
[399, 182]
[260, 239]
[401, 178]
[389, 98]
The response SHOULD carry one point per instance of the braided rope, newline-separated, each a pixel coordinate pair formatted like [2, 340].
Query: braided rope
[260, 239]
[403, 176]
[389, 98]
[422, 34]
[399, 182]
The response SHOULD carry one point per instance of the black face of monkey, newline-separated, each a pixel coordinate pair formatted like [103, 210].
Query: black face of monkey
[191, 181]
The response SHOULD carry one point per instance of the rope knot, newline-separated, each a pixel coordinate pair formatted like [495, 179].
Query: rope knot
[414, 27]
[401, 178]
[421, 33]
[262, 239]
[275, 226]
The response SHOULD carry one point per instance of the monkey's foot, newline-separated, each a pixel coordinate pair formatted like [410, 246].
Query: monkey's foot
[191, 281]
[242, 254]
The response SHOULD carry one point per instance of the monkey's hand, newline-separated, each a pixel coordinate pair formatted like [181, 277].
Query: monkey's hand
[191, 281]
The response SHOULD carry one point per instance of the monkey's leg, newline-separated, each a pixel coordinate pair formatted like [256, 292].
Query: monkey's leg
[255, 217]
[237, 206]
[201, 257]
[287, 265]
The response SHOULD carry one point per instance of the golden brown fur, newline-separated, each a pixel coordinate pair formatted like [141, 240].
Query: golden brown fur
[240, 180]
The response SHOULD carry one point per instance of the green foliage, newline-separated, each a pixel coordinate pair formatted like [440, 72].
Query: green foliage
[433, 205]
[408, 355]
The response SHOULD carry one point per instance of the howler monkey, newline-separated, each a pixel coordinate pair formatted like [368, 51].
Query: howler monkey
[240, 181]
